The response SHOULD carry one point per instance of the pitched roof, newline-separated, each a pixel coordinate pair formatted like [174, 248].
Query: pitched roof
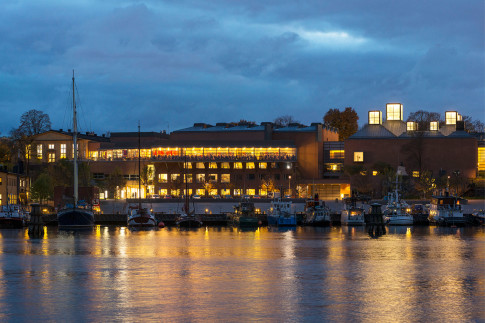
[372, 131]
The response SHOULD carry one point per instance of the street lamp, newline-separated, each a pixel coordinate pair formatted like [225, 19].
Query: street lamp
[289, 184]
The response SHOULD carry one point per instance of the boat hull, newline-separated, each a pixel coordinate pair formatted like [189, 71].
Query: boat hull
[400, 220]
[189, 222]
[142, 221]
[247, 221]
[75, 218]
[11, 223]
[282, 221]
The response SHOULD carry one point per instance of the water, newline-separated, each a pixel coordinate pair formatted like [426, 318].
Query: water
[228, 275]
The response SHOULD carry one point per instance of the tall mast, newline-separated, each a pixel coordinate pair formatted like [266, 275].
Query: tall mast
[139, 168]
[186, 206]
[74, 140]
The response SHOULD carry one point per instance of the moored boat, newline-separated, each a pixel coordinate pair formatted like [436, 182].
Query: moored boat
[281, 214]
[446, 210]
[245, 214]
[139, 216]
[75, 215]
[398, 212]
[12, 216]
[351, 213]
[317, 213]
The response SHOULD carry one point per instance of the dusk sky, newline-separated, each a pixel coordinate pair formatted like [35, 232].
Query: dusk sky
[172, 63]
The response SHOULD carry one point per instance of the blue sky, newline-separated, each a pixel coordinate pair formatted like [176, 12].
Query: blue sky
[172, 63]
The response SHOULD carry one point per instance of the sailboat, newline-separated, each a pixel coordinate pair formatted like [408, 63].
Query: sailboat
[138, 216]
[187, 218]
[75, 215]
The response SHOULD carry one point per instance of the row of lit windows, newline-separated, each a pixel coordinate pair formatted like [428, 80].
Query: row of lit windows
[213, 178]
[481, 159]
[192, 152]
[202, 192]
[51, 156]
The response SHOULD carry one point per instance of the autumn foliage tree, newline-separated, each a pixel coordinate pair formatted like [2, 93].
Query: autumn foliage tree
[345, 121]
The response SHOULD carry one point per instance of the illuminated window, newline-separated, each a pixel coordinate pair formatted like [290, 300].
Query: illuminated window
[375, 117]
[263, 165]
[212, 178]
[175, 192]
[200, 178]
[481, 159]
[358, 156]
[250, 166]
[39, 151]
[200, 165]
[0, 181]
[415, 173]
[237, 191]
[189, 190]
[225, 165]
[225, 178]
[263, 192]
[374, 173]
[200, 191]
[238, 166]
[412, 126]
[459, 117]
[63, 150]
[51, 146]
[433, 126]
[394, 111]
[0, 199]
[251, 191]
[188, 165]
[189, 178]
[174, 177]
[51, 157]
[337, 154]
[213, 191]
[162, 178]
[163, 192]
[225, 191]
[212, 165]
[450, 117]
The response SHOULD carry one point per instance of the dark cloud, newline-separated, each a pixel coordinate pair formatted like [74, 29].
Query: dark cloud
[172, 63]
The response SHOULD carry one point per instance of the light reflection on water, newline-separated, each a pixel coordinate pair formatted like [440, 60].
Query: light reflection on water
[228, 274]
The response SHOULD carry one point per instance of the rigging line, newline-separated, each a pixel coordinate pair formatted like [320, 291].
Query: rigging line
[83, 113]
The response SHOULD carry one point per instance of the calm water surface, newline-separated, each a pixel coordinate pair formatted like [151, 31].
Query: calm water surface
[224, 274]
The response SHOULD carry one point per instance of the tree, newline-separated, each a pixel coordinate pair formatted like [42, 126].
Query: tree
[267, 184]
[425, 183]
[42, 188]
[5, 151]
[423, 118]
[285, 120]
[114, 181]
[243, 122]
[345, 121]
[32, 122]
[473, 126]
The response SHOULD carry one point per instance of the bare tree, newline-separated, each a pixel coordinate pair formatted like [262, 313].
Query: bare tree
[284, 120]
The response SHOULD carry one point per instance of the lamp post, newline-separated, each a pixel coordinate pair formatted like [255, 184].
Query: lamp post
[289, 184]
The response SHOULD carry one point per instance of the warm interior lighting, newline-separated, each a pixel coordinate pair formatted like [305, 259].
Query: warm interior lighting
[411, 126]
[450, 117]
[358, 156]
[394, 111]
[337, 154]
[433, 126]
[375, 117]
